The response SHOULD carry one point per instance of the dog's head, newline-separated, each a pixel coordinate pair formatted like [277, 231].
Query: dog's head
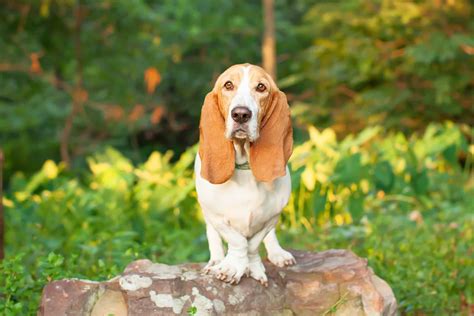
[245, 105]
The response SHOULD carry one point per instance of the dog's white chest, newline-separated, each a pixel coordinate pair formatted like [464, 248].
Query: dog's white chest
[242, 202]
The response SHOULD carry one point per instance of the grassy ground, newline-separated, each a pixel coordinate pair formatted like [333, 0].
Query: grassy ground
[427, 259]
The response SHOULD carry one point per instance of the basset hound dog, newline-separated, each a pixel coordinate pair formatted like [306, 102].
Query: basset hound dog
[242, 178]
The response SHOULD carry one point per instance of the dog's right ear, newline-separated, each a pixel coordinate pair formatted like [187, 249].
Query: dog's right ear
[215, 150]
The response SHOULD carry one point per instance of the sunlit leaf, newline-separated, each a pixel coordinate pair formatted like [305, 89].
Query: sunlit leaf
[308, 177]
[157, 115]
[152, 79]
[50, 169]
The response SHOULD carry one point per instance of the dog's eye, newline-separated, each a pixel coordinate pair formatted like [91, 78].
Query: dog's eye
[229, 86]
[261, 87]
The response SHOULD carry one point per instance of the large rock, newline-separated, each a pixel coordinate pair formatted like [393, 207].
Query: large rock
[334, 281]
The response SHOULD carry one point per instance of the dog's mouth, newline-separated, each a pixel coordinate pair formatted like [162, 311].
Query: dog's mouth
[240, 133]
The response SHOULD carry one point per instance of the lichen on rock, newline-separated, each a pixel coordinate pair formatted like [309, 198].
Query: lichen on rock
[334, 281]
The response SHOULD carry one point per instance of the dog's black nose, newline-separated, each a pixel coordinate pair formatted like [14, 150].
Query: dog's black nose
[241, 114]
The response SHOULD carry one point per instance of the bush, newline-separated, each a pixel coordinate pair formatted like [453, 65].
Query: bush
[373, 169]
[404, 203]
[401, 64]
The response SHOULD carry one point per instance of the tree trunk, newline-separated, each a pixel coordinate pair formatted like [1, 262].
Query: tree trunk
[2, 217]
[78, 94]
[268, 44]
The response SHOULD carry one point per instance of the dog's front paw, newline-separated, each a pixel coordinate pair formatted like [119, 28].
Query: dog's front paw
[281, 258]
[230, 269]
[257, 271]
[210, 264]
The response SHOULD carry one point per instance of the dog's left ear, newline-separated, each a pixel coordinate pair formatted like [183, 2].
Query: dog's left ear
[270, 153]
[217, 153]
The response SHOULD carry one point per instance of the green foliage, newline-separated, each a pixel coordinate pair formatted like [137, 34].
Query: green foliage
[340, 179]
[408, 202]
[106, 59]
[401, 63]
[131, 75]
[21, 282]
[427, 261]
[192, 310]
[346, 64]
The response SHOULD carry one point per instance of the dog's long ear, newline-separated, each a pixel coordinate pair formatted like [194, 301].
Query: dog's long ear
[270, 153]
[215, 150]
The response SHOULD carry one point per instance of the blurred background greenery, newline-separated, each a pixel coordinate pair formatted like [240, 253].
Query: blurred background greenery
[99, 112]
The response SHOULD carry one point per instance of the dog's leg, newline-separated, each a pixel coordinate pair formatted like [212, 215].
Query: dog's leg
[277, 255]
[256, 268]
[216, 248]
[235, 264]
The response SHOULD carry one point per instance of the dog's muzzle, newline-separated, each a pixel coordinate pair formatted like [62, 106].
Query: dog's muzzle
[241, 115]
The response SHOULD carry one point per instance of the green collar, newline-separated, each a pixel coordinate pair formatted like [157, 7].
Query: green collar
[242, 166]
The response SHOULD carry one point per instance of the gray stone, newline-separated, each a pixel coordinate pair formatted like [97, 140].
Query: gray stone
[335, 282]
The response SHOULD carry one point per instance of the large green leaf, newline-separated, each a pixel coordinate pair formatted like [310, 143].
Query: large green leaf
[318, 202]
[420, 182]
[348, 170]
[383, 176]
[356, 206]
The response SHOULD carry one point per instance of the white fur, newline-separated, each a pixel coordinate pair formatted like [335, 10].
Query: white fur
[243, 212]
[243, 97]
